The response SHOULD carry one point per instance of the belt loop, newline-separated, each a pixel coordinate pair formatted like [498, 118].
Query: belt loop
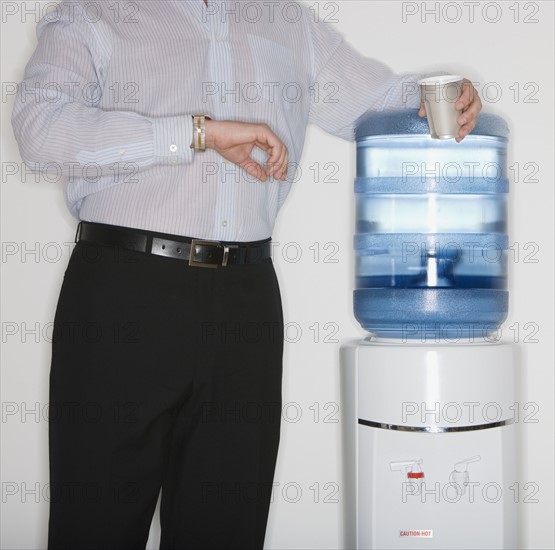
[78, 232]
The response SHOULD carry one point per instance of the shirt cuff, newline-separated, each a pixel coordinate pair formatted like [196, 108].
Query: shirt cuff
[172, 139]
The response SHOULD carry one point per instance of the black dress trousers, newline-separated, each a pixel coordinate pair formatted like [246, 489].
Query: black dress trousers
[163, 376]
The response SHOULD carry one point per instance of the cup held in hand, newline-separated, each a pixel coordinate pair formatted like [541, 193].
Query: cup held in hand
[439, 94]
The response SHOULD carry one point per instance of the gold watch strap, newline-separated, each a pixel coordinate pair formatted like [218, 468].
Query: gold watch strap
[199, 132]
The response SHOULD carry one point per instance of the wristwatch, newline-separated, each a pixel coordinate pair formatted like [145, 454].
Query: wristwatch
[199, 132]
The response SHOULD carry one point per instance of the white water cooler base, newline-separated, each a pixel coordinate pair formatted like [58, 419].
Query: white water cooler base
[429, 449]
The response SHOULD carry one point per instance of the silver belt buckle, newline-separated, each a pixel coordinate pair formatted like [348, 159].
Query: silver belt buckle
[217, 244]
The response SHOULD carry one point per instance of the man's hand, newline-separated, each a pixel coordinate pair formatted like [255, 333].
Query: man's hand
[235, 141]
[470, 104]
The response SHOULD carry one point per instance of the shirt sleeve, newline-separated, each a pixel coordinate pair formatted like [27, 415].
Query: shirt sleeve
[354, 83]
[56, 118]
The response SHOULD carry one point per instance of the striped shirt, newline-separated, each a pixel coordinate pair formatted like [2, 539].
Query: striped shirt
[108, 94]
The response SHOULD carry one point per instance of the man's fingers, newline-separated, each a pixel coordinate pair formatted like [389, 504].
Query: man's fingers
[468, 95]
[278, 159]
[266, 140]
[464, 99]
[470, 114]
[271, 165]
[274, 155]
[271, 150]
[468, 119]
[275, 161]
[254, 169]
[470, 104]
[239, 139]
[279, 168]
[262, 145]
[465, 129]
[283, 164]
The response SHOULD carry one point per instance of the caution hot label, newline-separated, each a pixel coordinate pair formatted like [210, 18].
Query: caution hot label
[419, 534]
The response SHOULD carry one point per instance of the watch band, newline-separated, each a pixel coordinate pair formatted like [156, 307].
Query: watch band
[199, 132]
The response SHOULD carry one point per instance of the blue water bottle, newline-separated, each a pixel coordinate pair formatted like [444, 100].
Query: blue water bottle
[431, 228]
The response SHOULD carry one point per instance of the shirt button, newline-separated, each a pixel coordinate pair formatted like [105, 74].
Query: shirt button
[122, 152]
[173, 147]
[219, 37]
[224, 223]
[173, 161]
[223, 99]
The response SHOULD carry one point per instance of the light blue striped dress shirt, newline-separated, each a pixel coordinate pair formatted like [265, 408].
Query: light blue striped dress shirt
[108, 94]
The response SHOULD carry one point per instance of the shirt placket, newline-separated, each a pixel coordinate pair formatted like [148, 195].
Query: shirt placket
[221, 71]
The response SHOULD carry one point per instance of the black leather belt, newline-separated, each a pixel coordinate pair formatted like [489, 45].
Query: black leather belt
[197, 252]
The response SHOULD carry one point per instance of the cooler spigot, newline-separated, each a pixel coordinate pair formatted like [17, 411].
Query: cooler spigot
[411, 469]
[460, 474]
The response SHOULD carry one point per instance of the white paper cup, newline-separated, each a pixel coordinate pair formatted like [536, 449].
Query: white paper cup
[439, 94]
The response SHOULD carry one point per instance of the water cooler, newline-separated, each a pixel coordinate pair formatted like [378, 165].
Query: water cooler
[428, 397]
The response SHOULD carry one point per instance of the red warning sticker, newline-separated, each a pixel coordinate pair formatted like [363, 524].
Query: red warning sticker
[419, 533]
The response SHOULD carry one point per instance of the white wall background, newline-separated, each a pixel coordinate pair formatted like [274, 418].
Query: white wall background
[512, 60]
